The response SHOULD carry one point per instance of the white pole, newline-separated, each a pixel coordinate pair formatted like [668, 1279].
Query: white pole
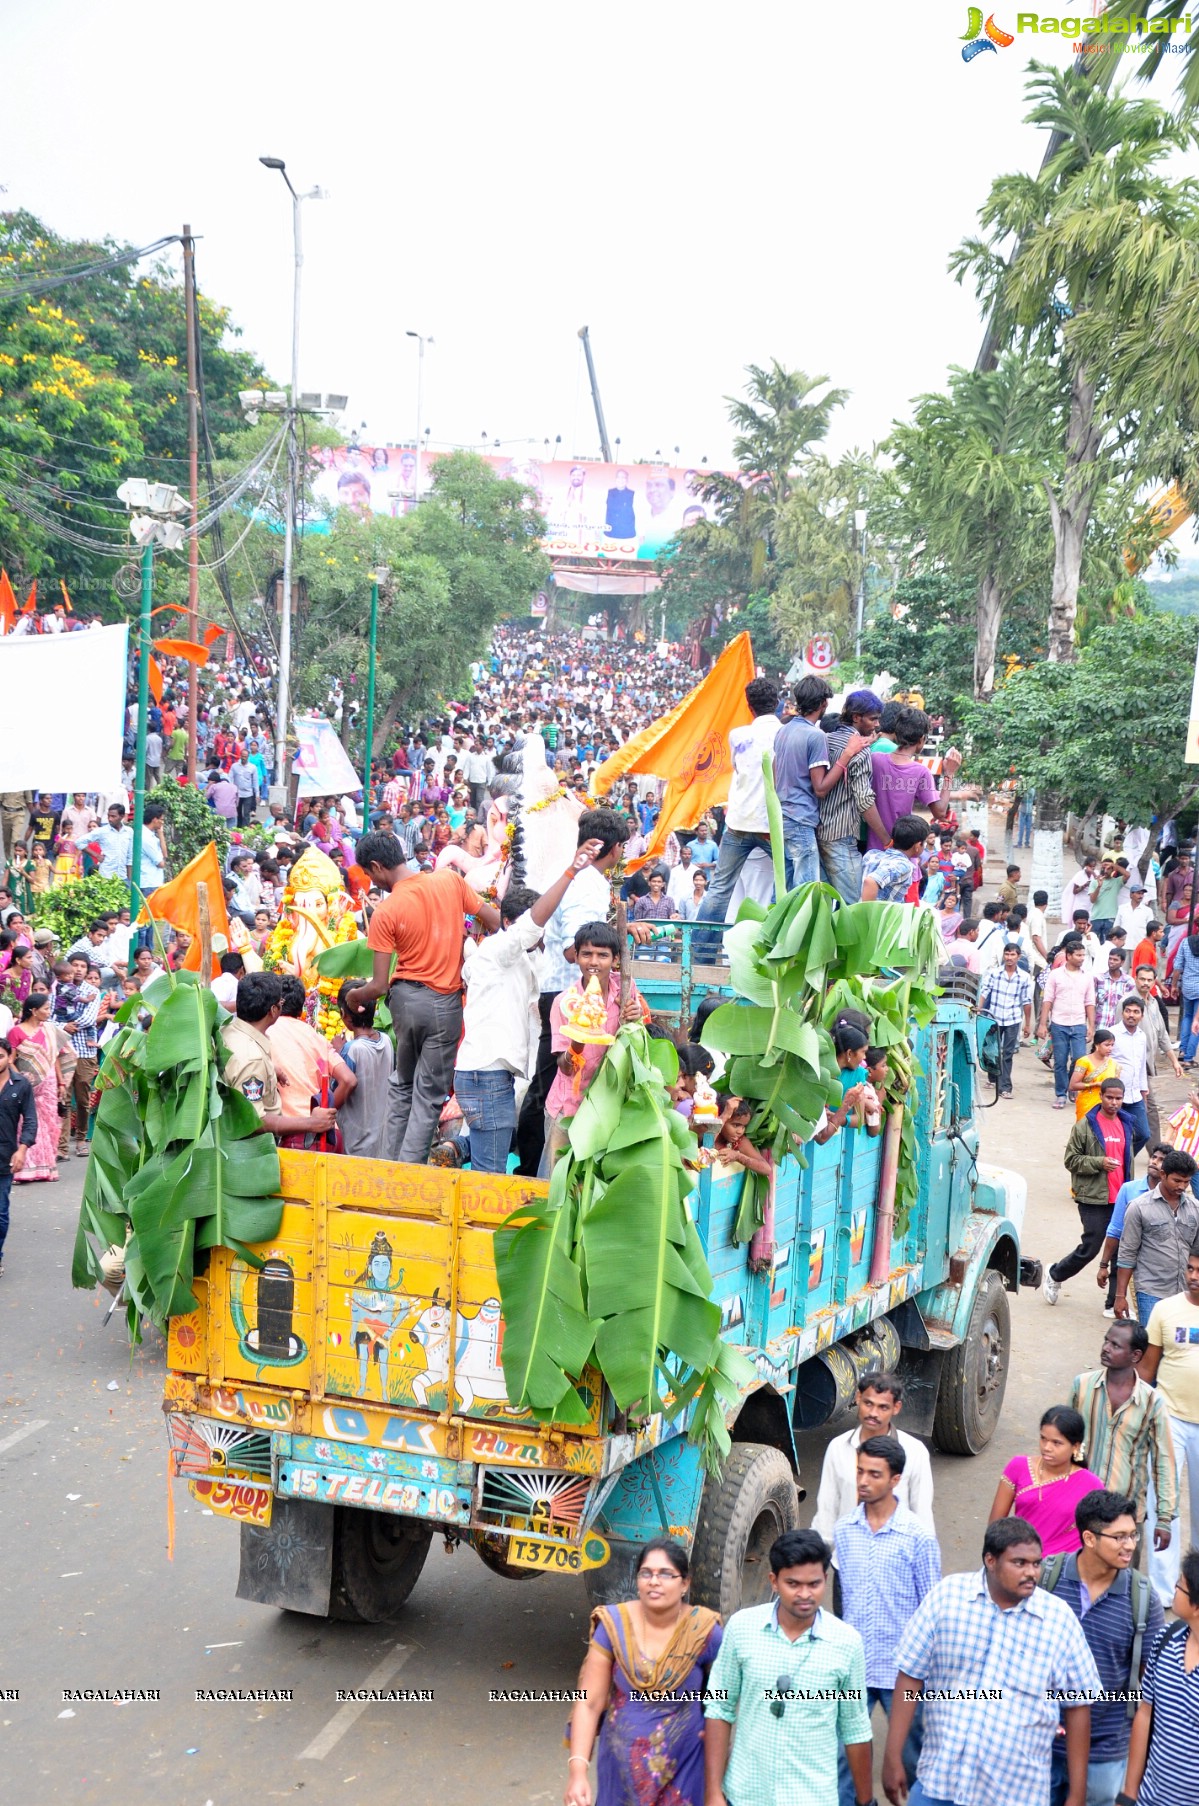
[420, 386]
[289, 526]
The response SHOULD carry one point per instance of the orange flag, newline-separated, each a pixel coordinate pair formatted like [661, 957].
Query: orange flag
[62, 584]
[29, 607]
[8, 604]
[191, 650]
[689, 746]
[177, 904]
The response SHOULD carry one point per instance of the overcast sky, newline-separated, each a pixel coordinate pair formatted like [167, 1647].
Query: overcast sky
[704, 185]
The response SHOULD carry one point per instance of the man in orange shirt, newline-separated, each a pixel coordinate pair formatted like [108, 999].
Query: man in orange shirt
[421, 924]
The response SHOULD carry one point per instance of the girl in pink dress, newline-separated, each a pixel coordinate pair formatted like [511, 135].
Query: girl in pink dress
[1044, 1490]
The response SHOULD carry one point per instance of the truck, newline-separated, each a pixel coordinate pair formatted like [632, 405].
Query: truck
[343, 1400]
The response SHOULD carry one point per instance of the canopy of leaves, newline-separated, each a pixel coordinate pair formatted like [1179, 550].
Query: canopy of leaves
[70, 909]
[467, 558]
[1105, 734]
[926, 638]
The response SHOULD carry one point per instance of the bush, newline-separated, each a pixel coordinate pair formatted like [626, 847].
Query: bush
[191, 824]
[70, 909]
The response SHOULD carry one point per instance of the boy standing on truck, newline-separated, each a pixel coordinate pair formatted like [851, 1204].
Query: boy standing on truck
[597, 951]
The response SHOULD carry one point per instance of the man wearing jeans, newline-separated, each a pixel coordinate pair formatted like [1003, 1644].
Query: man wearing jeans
[501, 1025]
[1130, 1050]
[1172, 1359]
[746, 823]
[805, 773]
[1159, 1229]
[1068, 1014]
[1007, 998]
[421, 923]
[849, 801]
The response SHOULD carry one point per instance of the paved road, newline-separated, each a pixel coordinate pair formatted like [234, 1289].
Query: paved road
[88, 1598]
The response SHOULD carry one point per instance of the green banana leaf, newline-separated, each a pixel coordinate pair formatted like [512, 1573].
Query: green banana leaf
[548, 1337]
[352, 959]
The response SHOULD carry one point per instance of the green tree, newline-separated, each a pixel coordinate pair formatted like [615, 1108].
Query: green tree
[968, 487]
[926, 638]
[1103, 236]
[820, 556]
[467, 558]
[1088, 736]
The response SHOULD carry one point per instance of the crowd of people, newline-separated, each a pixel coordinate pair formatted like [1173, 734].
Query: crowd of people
[983, 1675]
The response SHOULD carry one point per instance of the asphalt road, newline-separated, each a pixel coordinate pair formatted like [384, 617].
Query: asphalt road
[88, 1597]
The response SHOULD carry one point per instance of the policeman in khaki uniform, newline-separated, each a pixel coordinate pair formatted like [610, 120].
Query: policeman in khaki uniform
[250, 1067]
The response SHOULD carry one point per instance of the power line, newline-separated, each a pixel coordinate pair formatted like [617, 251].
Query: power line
[45, 285]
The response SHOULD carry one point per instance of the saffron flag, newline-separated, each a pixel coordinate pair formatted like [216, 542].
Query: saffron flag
[689, 747]
[29, 606]
[178, 904]
[8, 604]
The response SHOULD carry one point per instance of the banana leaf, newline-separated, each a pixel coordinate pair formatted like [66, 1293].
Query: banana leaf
[548, 1337]
[352, 959]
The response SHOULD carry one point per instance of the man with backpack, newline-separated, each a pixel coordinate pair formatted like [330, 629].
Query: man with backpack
[1120, 1616]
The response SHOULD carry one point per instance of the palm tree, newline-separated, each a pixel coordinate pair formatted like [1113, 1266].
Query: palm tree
[970, 473]
[1102, 237]
[1172, 13]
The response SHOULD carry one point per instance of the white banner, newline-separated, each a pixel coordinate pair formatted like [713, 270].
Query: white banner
[321, 760]
[62, 720]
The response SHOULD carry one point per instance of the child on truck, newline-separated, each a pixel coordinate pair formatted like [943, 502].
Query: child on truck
[597, 950]
[362, 1119]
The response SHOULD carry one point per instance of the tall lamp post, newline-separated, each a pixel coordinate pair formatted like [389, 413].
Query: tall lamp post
[152, 508]
[859, 521]
[422, 340]
[377, 577]
[283, 707]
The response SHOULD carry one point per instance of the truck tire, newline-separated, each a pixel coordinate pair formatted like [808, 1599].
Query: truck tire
[740, 1515]
[490, 1549]
[377, 1559]
[974, 1374]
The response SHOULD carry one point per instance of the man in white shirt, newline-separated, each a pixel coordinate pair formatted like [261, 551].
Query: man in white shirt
[1077, 893]
[1135, 915]
[746, 824]
[1130, 1051]
[681, 882]
[501, 1026]
[115, 841]
[880, 1400]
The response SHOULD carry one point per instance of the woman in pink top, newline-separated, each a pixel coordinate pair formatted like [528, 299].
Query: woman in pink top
[1045, 1491]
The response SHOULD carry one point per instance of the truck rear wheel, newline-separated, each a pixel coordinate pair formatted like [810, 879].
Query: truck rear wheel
[377, 1559]
[740, 1516]
[974, 1374]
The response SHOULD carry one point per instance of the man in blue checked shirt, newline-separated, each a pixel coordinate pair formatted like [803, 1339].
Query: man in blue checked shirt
[889, 1562]
[793, 1680]
[991, 1654]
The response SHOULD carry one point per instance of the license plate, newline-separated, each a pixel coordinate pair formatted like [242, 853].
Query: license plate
[248, 1500]
[560, 1558]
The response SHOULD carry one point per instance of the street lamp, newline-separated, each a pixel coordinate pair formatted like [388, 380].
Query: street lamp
[377, 577]
[152, 511]
[283, 707]
[859, 521]
[422, 339]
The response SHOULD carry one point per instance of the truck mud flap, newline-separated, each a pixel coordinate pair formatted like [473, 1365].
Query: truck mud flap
[289, 1563]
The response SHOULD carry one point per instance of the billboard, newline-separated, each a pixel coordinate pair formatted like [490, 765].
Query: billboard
[624, 512]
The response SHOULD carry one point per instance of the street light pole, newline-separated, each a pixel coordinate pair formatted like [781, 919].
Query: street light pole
[143, 714]
[376, 578]
[193, 490]
[283, 707]
[859, 521]
[421, 342]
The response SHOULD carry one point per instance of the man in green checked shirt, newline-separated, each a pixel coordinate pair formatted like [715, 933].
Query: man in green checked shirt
[792, 1678]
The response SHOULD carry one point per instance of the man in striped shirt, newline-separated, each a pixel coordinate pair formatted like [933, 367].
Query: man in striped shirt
[76, 1007]
[1007, 998]
[1128, 1426]
[889, 1562]
[850, 800]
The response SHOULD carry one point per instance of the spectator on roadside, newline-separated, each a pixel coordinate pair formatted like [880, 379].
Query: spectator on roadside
[1172, 1361]
[1120, 1619]
[888, 1562]
[1130, 1050]
[792, 1678]
[1006, 996]
[1159, 1228]
[999, 1753]
[1098, 1157]
[1067, 1015]
[1127, 1427]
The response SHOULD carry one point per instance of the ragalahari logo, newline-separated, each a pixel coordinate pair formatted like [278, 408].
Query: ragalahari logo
[983, 37]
